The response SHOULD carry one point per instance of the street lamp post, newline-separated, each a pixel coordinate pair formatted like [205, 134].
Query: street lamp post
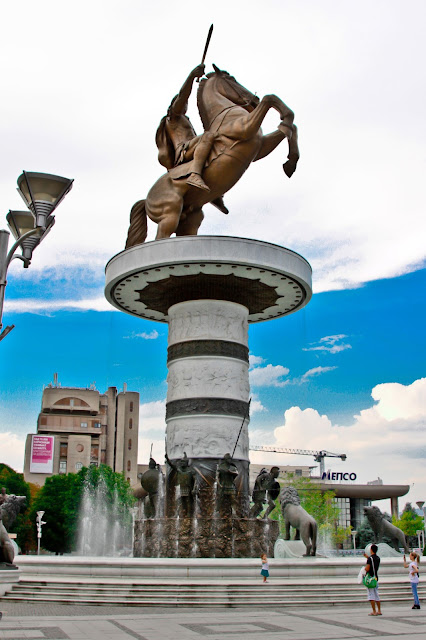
[41, 192]
[40, 523]
[354, 534]
[421, 506]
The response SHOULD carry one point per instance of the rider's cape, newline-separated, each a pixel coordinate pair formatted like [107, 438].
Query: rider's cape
[166, 152]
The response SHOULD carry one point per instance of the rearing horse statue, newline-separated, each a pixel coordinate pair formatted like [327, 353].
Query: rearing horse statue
[232, 116]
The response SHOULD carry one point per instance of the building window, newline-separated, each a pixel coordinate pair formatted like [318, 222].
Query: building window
[130, 423]
[128, 479]
[131, 407]
[129, 465]
[97, 425]
[129, 446]
[78, 466]
[298, 472]
[62, 466]
[63, 450]
[83, 425]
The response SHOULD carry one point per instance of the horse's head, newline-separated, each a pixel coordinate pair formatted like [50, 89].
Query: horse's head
[234, 91]
[225, 85]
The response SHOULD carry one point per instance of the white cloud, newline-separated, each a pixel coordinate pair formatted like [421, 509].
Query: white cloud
[153, 335]
[388, 439]
[256, 405]
[330, 344]
[344, 200]
[269, 376]
[316, 371]
[46, 306]
[12, 450]
[255, 360]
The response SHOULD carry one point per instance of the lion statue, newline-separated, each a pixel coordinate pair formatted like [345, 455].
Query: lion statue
[9, 510]
[295, 516]
[381, 527]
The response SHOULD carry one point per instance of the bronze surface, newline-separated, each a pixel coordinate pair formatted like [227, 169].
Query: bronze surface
[210, 406]
[200, 169]
[217, 348]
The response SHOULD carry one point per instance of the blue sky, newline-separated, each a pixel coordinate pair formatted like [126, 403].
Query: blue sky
[347, 373]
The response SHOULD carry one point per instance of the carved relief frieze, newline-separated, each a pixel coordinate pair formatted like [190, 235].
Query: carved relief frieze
[205, 377]
[208, 319]
[209, 437]
[193, 406]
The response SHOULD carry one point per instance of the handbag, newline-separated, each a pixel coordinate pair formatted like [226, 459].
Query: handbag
[370, 581]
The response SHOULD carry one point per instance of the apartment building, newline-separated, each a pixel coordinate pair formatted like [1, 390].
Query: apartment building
[78, 427]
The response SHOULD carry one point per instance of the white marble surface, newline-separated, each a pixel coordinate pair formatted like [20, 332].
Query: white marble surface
[208, 320]
[208, 377]
[206, 436]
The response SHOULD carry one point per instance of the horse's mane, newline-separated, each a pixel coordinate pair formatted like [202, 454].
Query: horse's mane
[224, 75]
[200, 102]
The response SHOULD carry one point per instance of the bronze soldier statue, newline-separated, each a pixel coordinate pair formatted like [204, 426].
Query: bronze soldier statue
[178, 144]
[265, 488]
[226, 475]
[150, 481]
[227, 472]
[185, 480]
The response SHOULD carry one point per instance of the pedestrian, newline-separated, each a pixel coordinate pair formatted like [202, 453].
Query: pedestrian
[413, 573]
[372, 569]
[265, 568]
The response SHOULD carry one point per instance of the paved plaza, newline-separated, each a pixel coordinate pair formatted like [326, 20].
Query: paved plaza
[59, 622]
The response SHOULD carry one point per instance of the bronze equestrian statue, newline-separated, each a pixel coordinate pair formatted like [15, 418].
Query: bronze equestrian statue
[202, 168]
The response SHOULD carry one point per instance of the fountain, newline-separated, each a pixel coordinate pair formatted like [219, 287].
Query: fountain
[104, 524]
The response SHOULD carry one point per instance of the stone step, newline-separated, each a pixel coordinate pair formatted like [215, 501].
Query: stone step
[282, 589]
[271, 601]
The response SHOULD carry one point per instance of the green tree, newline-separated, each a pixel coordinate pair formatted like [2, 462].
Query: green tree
[60, 499]
[409, 523]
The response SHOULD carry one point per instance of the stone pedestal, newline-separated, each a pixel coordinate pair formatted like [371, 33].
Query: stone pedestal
[208, 289]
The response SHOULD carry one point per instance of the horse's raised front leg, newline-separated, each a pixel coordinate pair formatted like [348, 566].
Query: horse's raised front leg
[247, 126]
[293, 154]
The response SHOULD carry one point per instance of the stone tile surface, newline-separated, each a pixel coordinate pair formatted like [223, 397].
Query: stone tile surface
[74, 622]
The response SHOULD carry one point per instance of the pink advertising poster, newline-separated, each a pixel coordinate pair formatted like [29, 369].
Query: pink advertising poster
[42, 454]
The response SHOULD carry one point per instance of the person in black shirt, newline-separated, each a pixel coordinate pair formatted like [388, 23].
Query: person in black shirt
[372, 568]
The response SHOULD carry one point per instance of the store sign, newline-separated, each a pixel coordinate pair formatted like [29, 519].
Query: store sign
[338, 476]
[42, 454]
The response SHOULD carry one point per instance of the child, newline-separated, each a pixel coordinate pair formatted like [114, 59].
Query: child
[414, 576]
[265, 567]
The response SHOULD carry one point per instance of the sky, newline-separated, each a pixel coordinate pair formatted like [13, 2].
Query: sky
[84, 87]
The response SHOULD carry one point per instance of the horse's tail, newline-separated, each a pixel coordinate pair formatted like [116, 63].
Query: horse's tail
[138, 228]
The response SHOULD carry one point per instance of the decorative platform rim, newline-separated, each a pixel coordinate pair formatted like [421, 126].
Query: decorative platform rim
[181, 239]
[269, 280]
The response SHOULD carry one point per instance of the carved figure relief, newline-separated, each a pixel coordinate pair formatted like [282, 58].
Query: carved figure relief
[206, 378]
[208, 320]
[209, 437]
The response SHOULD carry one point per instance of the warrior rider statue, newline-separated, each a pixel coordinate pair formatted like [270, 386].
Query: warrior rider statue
[179, 147]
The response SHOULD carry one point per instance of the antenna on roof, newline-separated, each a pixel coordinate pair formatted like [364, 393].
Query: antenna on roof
[55, 379]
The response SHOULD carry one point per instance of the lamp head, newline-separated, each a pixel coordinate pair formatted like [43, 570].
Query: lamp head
[42, 192]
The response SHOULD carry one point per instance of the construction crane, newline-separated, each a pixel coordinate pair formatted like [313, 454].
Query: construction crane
[318, 455]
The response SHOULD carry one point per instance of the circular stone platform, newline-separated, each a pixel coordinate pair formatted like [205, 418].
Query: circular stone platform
[269, 280]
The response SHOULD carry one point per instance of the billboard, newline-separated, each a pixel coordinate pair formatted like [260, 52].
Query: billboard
[42, 454]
